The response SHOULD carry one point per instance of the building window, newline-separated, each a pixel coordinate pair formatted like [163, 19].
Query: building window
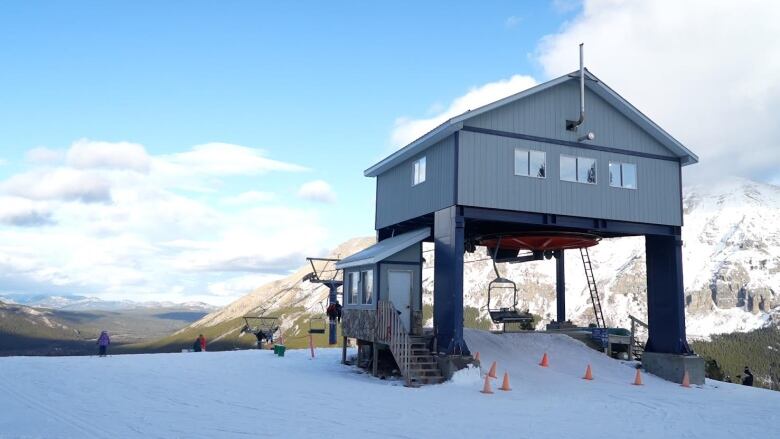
[418, 171]
[367, 285]
[578, 169]
[622, 175]
[530, 163]
[354, 288]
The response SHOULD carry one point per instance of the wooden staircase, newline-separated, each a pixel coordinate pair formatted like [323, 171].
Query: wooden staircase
[415, 361]
[423, 367]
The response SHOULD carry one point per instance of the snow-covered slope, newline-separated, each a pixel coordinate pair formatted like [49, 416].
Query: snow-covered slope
[732, 269]
[256, 394]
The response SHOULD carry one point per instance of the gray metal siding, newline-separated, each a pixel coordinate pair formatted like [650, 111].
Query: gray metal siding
[397, 200]
[545, 114]
[487, 179]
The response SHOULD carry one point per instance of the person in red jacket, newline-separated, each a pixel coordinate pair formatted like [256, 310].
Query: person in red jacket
[202, 343]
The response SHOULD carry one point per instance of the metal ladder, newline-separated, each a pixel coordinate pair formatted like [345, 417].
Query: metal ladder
[593, 288]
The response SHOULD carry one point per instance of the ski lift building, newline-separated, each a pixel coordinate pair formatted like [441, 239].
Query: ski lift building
[519, 165]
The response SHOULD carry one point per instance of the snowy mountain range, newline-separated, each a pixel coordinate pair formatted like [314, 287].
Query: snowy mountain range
[731, 261]
[85, 303]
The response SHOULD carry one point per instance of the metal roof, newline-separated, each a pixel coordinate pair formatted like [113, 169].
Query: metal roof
[384, 249]
[687, 157]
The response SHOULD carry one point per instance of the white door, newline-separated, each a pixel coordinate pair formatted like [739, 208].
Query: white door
[399, 284]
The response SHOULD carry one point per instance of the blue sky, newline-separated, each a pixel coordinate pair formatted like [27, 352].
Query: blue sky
[250, 117]
[313, 83]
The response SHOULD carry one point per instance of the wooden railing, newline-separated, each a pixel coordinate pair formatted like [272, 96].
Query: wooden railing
[635, 346]
[390, 331]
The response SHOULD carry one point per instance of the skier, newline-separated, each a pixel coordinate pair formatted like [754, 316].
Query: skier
[196, 346]
[334, 311]
[202, 343]
[103, 341]
[748, 379]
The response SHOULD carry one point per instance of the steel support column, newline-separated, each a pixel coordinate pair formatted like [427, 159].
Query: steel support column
[560, 286]
[448, 234]
[665, 295]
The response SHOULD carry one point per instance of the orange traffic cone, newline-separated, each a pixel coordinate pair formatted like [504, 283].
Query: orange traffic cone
[505, 384]
[492, 372]
[638, 378]
[545, 361]
[686, 382]
[476, 356]
[486, 388]
[588, 374]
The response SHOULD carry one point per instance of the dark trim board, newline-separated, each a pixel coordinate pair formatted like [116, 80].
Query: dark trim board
[602, 227]
[592, 225]
[567, 143]
[413, 264]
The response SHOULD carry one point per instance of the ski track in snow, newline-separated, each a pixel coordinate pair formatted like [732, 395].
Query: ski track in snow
[255, 394]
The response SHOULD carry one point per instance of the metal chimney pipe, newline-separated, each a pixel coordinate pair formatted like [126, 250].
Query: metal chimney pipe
[572, 125]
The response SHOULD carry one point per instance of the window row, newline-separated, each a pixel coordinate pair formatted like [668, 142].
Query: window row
[361, 288]
[531, 163]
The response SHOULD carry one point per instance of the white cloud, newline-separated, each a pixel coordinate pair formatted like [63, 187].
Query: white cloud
[150, 242]
[43, 155]
[407, 129]
[17, 211]
[512, 22]
[706, 71]
[249, 198]
[317, 190]
[59, 184]
[222, 159]
[240, 285]
[90, 154]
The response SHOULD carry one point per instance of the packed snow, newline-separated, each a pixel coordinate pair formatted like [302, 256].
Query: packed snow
[256, 394]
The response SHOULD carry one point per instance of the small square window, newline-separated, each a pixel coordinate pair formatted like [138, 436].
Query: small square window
[367, 283]
[537, 164]
[354, 287]
[568, 168]
[418, 171]
[614, 174]
[622, 175]
[586, 170]
[628, 173]
[521, 162]
[530, 163]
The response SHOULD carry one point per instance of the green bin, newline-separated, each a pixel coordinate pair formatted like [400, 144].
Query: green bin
[276, 349]
[280, 350]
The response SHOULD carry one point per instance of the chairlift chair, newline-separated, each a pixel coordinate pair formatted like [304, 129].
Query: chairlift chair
[499, 286]
[317, 325]
[262, 327]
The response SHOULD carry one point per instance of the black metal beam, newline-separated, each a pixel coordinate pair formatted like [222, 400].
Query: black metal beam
[597, 226]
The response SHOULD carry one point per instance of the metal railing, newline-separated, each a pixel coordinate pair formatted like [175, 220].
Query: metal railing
[390, 331]
[636, 347]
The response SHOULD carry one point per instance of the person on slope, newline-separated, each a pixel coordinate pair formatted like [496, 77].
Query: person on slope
[334, 312]
[103, 341]
[748, 379]
[202, 342]
[196, 346]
